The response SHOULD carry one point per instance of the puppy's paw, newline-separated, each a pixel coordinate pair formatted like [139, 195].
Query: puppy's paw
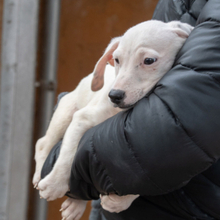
[73, 209]
[36, 178]
[53, 187]
[115, 203]
[37, 174]
[40, 157]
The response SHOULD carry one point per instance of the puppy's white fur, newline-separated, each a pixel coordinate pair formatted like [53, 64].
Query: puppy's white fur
[88, 105]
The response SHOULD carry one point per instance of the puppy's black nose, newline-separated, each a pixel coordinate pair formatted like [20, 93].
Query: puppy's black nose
[116, 96]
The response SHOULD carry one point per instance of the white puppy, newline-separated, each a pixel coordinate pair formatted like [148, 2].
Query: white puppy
[138, 60]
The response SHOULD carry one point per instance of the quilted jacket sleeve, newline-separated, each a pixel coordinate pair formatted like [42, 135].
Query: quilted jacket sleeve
[170, 136]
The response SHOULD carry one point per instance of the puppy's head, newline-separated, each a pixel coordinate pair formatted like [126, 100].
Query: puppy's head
[141, 57]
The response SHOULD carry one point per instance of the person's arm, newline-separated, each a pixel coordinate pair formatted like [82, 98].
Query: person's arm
[185, 10]
[169, 136]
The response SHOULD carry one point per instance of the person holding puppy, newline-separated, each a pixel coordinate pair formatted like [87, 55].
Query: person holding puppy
[167, 148]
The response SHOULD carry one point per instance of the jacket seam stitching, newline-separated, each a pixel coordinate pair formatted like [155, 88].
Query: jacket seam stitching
[211, 19]
[210, 180]
[187, 10]
[192, 15]
[213, 77]
[205, 72]
[188, 197]
[104, 169]
[183, 3]
[189, 14]
[191, 5]
[184, 11]
[139, 164]
[183, 128]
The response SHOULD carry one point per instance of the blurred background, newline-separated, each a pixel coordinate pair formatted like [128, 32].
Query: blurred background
[47, 46]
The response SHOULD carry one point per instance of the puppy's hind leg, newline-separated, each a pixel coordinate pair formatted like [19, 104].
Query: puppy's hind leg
[57, 127]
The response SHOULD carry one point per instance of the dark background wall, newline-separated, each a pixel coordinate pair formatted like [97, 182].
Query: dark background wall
[87, 27]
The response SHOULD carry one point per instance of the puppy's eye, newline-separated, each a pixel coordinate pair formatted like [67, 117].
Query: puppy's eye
[149, 61]
[117, 60]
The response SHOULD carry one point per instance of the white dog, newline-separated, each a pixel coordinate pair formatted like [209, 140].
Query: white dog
[138, 60]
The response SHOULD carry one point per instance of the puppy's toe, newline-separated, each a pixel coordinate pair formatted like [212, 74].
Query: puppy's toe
[73, 209]
[52, 188]
[36, 179]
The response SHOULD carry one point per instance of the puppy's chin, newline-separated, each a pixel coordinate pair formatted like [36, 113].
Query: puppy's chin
[123, 106]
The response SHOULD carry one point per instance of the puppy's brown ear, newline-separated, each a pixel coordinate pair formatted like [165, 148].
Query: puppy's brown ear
[183, 30]
[98, 73]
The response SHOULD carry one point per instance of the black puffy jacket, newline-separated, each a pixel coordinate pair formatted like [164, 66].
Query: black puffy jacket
[166, 148]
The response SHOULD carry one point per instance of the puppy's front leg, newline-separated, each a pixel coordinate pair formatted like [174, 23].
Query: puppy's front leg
[57, 127]
[55, 185]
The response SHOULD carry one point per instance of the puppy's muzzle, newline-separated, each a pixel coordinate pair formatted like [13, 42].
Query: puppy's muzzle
[116, 96]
